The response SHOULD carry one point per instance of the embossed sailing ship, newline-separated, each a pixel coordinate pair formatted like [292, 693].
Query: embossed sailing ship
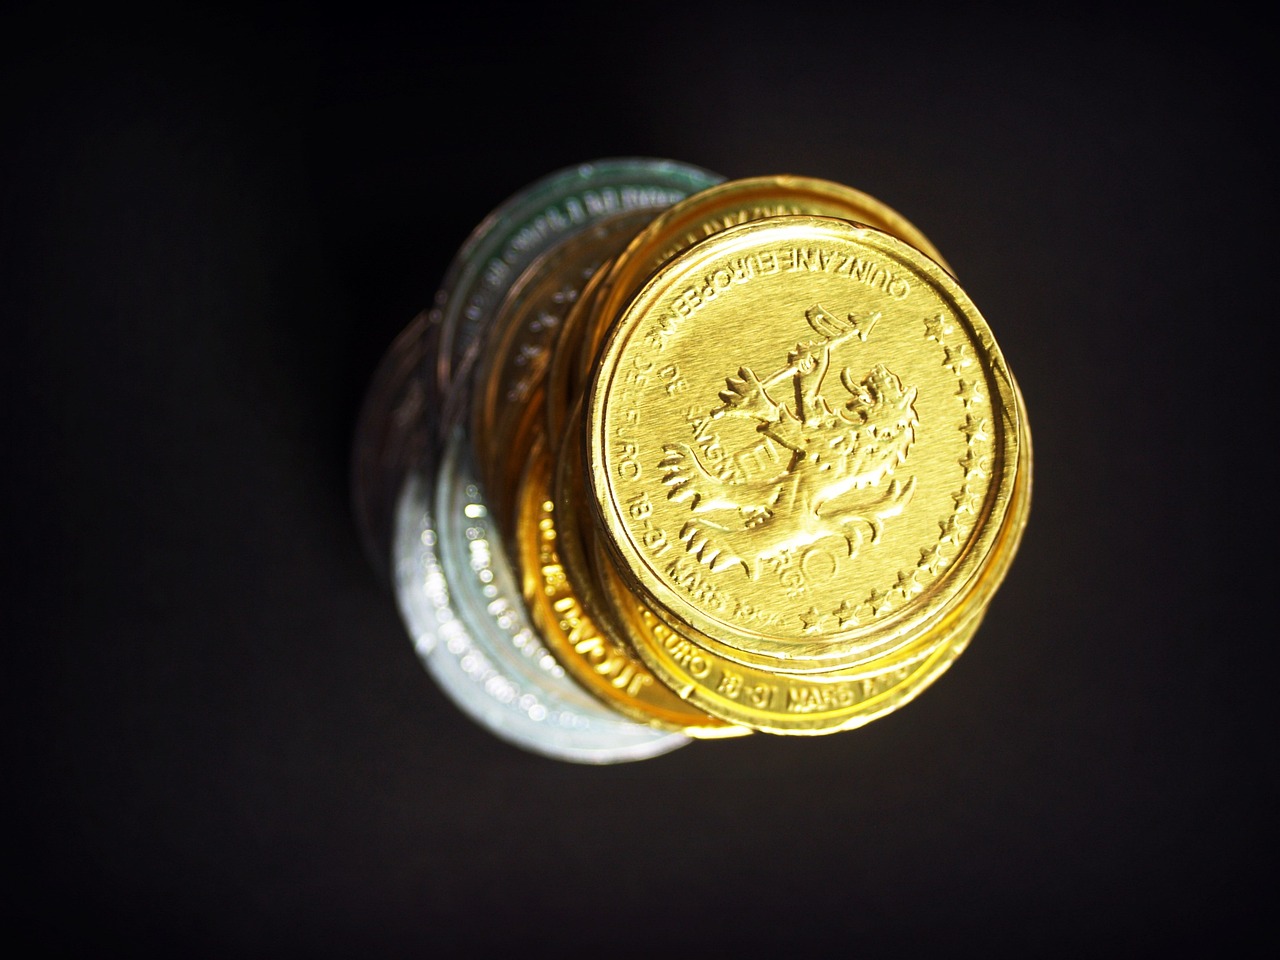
[833, 481]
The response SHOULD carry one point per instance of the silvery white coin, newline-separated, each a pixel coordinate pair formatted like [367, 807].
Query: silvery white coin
[484, 672]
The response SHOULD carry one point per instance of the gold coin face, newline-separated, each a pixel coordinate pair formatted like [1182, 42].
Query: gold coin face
[802, 442]
[730, 204]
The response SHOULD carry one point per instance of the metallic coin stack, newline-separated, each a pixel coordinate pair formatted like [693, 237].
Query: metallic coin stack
[675, 458]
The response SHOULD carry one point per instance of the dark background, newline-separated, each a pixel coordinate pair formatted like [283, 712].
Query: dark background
[211, 227]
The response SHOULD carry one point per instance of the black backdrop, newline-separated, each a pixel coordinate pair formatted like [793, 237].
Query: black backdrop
[213, 224]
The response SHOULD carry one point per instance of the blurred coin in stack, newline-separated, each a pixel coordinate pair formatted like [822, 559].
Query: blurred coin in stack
[507, 399]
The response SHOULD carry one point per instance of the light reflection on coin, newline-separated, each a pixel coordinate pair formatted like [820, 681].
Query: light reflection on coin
[731, 204]
[488, 681]
[566, 376]
[778, 703]
[976, 598]
[455, 590]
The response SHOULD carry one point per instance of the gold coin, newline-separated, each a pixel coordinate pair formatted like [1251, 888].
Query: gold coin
[584, 645]
[803, 442]
[575, 523]
[731, 203]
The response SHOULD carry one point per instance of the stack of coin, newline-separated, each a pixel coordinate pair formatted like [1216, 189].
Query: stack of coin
[675, 457]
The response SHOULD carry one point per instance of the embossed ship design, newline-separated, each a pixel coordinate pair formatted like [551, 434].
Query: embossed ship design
[832, 484]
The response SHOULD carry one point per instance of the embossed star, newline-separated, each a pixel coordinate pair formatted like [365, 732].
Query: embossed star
[965, 500]
[935, 328]
[957, 357]
[846, 613]
[950, 530]
[970, 392]
[931, 560]
[974, 465]
[812, 619]
[906, 584]
[975, 428]
[878, 600]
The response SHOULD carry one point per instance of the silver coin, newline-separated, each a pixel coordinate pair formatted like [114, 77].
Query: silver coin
[393, 432]
[533, 221]
[491, 666]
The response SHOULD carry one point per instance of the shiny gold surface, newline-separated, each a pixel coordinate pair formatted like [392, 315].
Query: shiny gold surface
[760, 699]
[726, 205]
[780, 703]
[587, 647]
[978, 593]
[831, 702]
[827, 449]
